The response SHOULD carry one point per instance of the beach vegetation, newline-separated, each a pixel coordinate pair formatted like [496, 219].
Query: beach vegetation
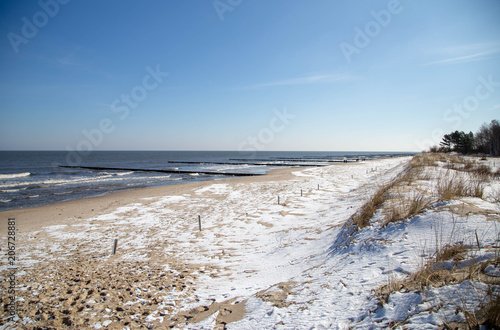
[453, 260]
[452, 264]
[485, 141]
[406, 207]
[362, 218]
[454, 186]
[426, 159]
[401, 198]
[458, 141]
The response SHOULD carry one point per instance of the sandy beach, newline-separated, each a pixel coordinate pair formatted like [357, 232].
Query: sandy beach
[61, 244]
[69, 246]
[254, 255]
[31, 219]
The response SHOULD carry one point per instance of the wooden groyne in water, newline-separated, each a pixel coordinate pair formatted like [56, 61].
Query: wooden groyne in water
[246, 163]
[100, 168]
[325, 161]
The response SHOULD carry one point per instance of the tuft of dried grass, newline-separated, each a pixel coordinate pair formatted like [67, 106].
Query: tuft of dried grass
[417, 203]
[434, 274]
[486, 317]
[492, 313]
[481, 170]
[394, 214]
[406, 208]
[424, 175]
[449, 187]
[482, 173]
[460, 164]
[455, 159]
[454, 186]
[362, 218]
[469, 164]
[475, 189]
[426, 159]
[413, 174]
[449, 252]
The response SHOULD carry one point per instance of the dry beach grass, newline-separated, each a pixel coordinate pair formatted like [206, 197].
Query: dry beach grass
[452, 262]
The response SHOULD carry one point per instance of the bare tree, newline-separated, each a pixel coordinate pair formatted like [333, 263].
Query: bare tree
[495, 137]
[482, 140]
[487, 139]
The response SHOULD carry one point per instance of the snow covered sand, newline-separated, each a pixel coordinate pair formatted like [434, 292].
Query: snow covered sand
[257, 264]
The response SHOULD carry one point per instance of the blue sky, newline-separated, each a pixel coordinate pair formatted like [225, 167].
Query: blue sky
[245, 74]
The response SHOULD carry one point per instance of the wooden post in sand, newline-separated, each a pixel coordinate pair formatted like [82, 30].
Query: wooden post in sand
[278, 200]
[199, 223]
[477, 240]
[115, 244]
[318, 187]
[300, 192]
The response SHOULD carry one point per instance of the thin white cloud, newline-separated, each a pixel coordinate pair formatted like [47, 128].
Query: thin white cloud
[69, 61]
[467, 53]
[316, 79]
[465, 58]
[73, 57]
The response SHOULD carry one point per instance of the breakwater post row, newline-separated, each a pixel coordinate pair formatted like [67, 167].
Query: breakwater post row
[100, 168]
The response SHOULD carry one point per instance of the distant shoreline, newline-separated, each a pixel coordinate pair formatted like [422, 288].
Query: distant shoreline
[59, 212]
[48, 185]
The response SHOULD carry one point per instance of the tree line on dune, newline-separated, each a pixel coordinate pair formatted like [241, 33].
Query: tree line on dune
[486, 141]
